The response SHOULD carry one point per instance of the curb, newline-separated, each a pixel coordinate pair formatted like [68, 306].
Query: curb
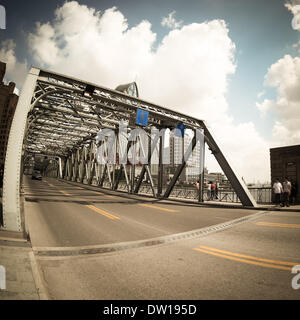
[58, 252]
[39, 283]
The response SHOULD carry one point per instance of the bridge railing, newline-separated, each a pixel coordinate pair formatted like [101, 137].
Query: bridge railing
[262, 195]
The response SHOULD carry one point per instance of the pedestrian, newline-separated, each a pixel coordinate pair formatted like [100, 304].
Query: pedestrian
[286, 192]
[209, 190]
[197, 185]
[217, 190]
[277, 188]
[213, 191]
[294, 192]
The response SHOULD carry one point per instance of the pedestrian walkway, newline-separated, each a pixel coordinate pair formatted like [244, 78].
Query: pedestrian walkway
[223, 204]
[272, 207]
[15, 257]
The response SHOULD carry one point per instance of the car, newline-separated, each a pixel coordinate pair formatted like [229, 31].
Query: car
[36, 175]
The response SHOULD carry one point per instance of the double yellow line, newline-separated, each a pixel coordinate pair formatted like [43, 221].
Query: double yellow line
[63, 192]
[104, 213]
[156, 207]
[280, 225]
[267, 263]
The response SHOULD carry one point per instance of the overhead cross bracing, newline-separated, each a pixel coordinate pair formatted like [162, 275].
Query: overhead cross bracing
[65, 115]
[58, 116]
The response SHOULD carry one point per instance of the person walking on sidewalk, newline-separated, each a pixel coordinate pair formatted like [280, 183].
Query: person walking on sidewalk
[212, 191]
[277, 188]
[294, 191]
[286, 192]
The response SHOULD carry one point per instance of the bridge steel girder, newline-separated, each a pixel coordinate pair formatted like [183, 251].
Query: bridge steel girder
[237, 183]
[60, 116]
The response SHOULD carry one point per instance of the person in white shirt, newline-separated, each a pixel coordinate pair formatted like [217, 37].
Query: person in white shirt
[277, 188]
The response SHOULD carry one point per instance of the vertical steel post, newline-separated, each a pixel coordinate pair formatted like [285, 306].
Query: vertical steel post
[201, 175]
[11, 182]
[160, 167]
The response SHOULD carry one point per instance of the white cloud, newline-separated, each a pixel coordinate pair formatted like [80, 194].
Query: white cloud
[265, 106]
[188, 71]
[245, 150]
[15, 70]
[94, 47]
[284, 75]
[170, 21]
[261, 94]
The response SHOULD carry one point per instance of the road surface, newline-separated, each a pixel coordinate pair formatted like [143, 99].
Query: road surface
[98, 244]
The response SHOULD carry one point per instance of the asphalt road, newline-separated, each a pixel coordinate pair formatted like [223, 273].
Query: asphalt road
[252, 259]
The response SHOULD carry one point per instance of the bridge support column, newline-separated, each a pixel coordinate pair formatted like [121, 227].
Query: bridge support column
[12, 220]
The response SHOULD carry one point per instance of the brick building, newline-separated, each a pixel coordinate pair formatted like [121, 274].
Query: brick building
[8, 103]
[285, 162]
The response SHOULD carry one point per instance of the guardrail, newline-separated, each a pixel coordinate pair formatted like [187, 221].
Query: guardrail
[262, 195]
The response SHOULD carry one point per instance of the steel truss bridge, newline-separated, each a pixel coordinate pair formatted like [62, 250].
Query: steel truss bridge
[58, 118]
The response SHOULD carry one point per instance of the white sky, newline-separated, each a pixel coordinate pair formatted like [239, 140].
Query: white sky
[188, 70]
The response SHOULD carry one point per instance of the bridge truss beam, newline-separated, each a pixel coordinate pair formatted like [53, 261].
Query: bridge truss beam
[61, 116]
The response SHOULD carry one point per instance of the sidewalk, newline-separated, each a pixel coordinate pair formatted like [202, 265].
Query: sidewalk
[15, 257]
[270, 207]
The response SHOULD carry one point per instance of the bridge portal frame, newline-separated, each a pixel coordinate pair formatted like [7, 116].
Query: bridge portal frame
[50, 103]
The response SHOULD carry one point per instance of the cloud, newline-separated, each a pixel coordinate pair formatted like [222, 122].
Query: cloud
[261, 94]
[100, 47]
[265, 106]
[170, 21]
[15, 71]
[284, 75]
[94, 47]
[245, 149]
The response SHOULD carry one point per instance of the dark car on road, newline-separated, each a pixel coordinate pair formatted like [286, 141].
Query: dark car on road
[36, 175]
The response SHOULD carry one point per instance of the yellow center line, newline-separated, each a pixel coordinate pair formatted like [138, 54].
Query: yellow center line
[286, 214]
[65, 193]
[281, 225]
[156, 207]
[104, 213]
[251, 257]
[108, 196]
[97, 192]
[100, 193]
[271, 266]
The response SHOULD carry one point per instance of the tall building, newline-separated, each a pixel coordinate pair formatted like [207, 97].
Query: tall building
[8, 103]
[285, 162]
